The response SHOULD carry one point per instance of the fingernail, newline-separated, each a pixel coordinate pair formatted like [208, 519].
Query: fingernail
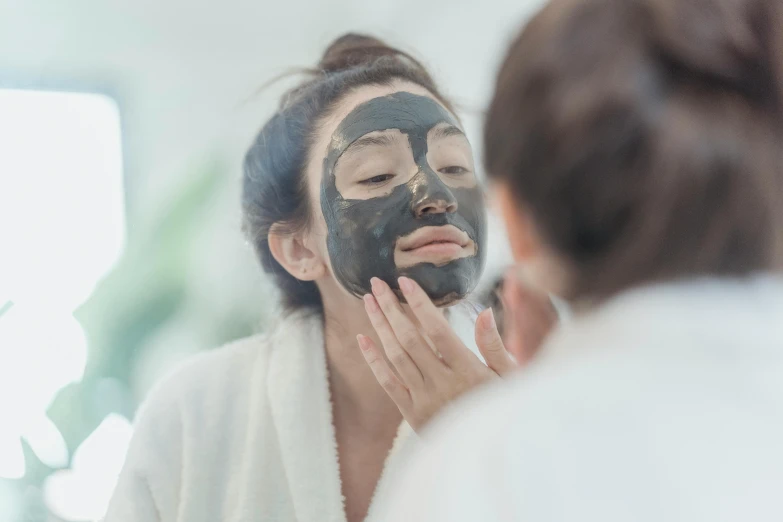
[370, 304]
[363, 344]
[406, 285]
[377, 286]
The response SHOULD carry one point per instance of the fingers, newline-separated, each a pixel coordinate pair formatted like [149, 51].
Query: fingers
[385, 376]
[405, 330]
[491, 345]
[436, 326]
[406, 368]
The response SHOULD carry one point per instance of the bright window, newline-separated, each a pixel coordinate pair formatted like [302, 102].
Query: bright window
[62, 228]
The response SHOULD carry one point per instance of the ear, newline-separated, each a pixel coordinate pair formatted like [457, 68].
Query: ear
[294, 254]
[522, 236]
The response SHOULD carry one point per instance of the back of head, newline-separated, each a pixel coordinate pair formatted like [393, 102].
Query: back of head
[274, 190]
[644, 137]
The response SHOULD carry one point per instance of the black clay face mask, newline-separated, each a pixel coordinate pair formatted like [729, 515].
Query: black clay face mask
[365, 235]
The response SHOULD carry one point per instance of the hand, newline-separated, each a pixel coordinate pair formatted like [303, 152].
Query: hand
[430, 365]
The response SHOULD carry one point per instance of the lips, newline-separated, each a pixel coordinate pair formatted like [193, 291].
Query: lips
[437, 245]
[425, 236]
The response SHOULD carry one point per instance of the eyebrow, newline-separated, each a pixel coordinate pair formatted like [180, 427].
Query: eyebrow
[446, 131]
[383, 140]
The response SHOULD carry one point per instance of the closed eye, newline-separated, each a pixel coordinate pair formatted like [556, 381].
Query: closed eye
[454, 170]
[377, 180]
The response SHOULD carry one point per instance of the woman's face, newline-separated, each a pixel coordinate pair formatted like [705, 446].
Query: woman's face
[394, 192]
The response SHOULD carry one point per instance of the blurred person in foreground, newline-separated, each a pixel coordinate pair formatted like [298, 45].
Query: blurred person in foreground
[637, 147]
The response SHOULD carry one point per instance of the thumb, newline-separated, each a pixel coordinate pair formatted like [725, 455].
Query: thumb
[491, 345]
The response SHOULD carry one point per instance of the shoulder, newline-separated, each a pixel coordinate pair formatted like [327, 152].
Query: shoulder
[525, 431]
[226, 367]
[502, 450]
[641, 385]
[205, 407]
[194, 391]
[211, 385]
[215, 368]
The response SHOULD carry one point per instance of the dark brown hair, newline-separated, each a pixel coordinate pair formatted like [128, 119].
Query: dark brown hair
[274, 190]
[645, 136]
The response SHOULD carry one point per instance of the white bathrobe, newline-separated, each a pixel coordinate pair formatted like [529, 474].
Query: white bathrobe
[243, 434]
[664, 405]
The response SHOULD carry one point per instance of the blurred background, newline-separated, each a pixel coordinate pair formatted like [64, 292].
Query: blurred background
[122, 130]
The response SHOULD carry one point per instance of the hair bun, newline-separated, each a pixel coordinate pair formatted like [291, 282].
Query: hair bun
[354, 50]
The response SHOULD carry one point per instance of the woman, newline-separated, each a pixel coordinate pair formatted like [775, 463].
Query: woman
[363, 173]
[637, 147]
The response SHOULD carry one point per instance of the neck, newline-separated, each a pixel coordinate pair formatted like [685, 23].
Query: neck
[358, 399]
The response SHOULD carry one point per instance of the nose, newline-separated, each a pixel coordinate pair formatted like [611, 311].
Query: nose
[431, 195]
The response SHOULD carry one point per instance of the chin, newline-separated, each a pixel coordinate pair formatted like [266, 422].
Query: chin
[445, 285]
[448, 300]
[444, 301]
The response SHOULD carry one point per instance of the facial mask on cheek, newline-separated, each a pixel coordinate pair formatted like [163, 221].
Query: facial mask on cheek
[362, 233]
